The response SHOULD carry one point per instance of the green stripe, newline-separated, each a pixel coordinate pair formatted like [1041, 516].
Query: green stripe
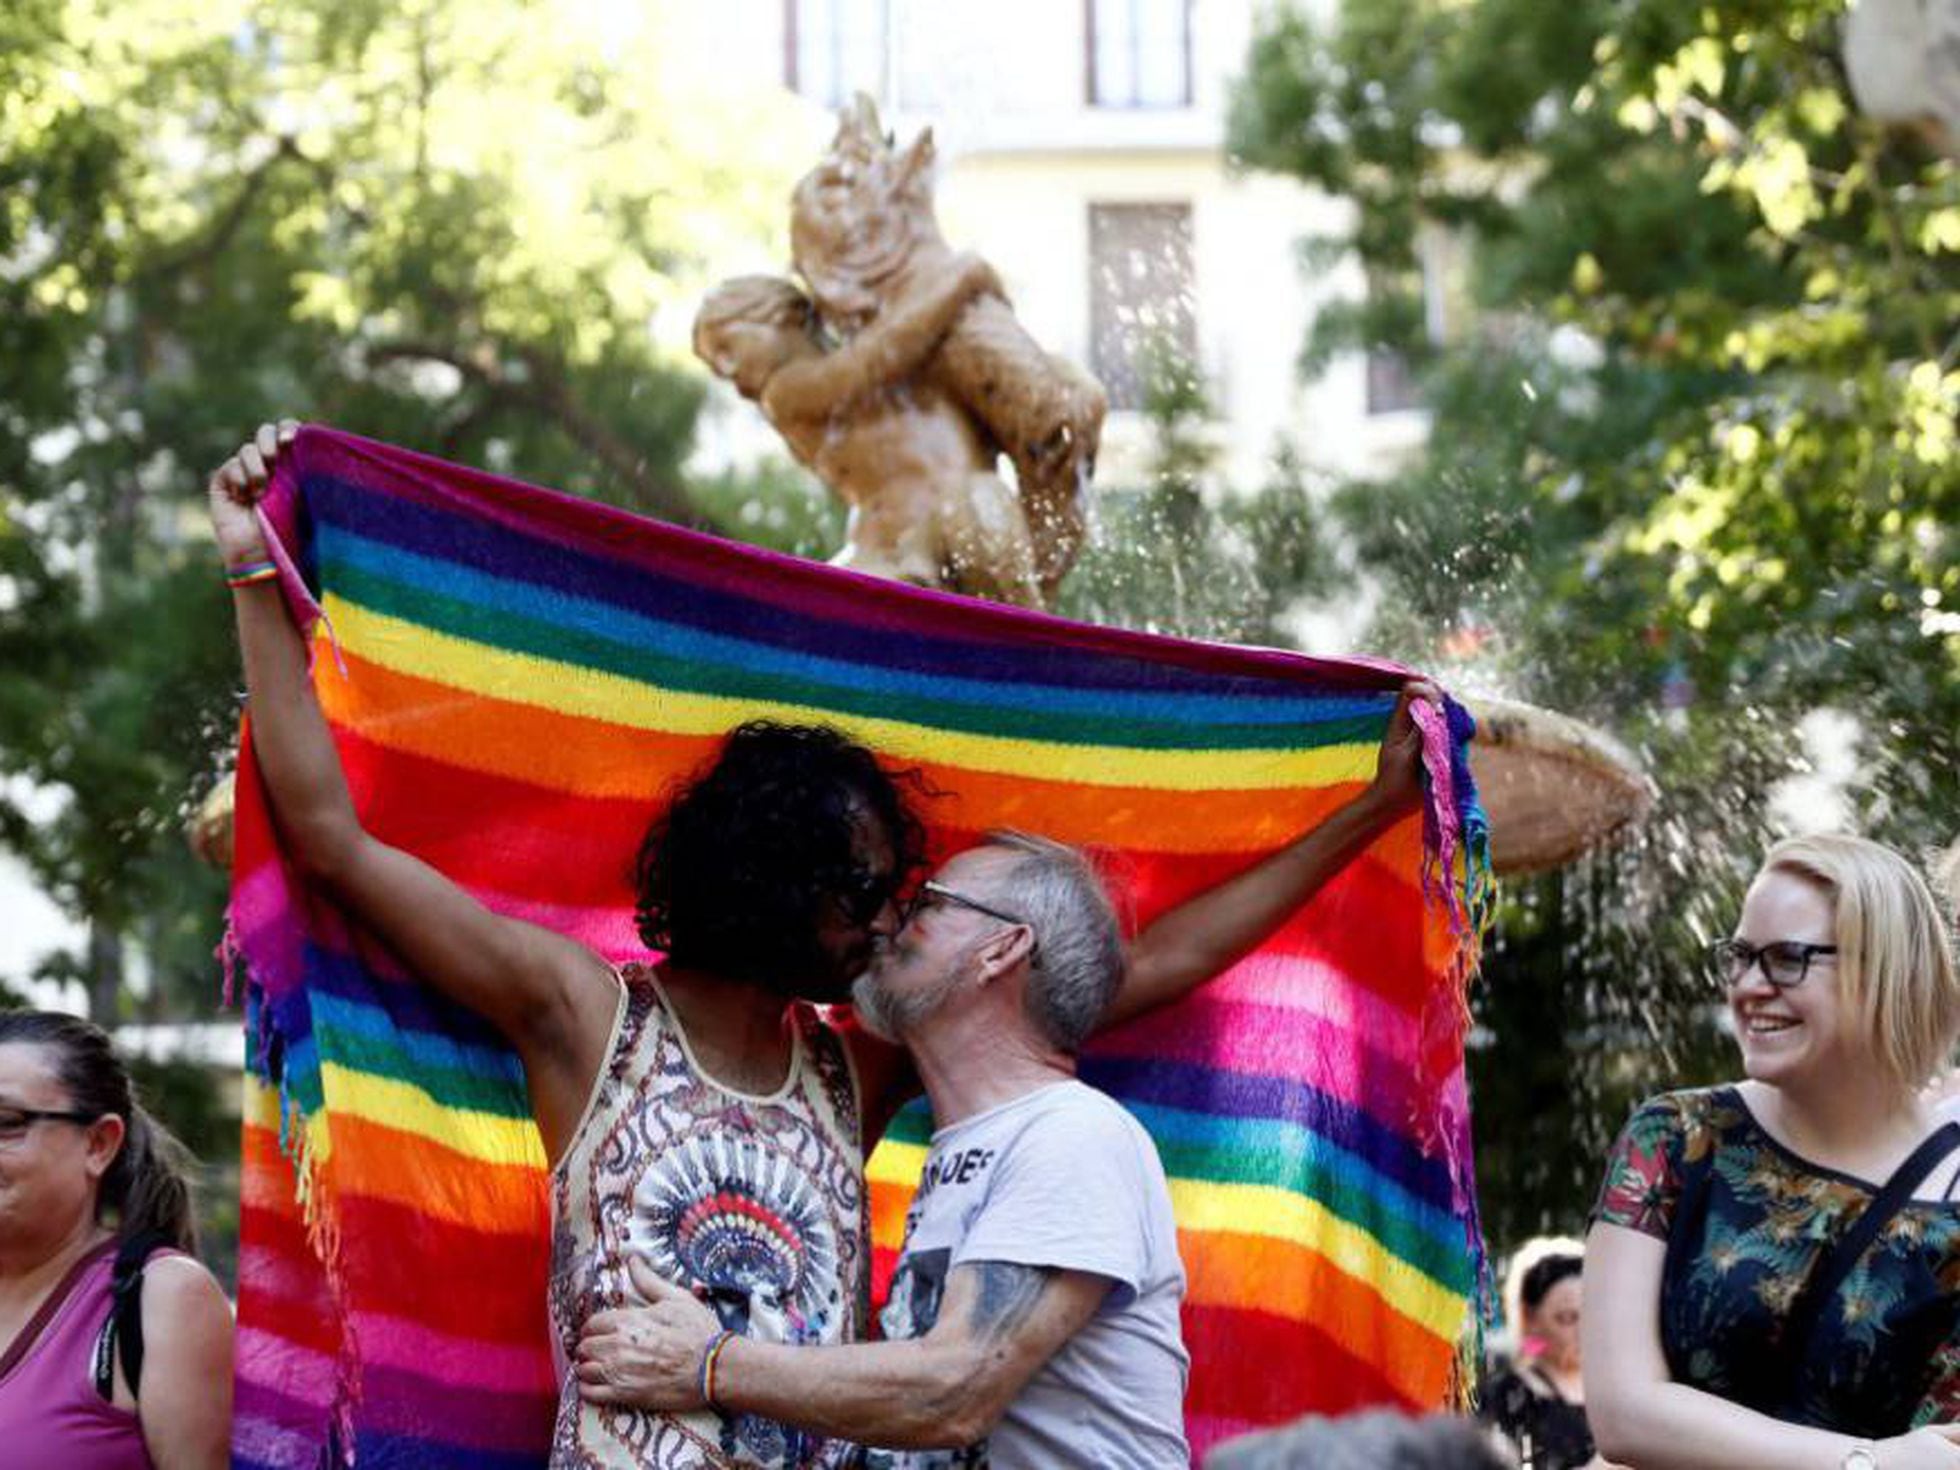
[1335, 1190]
[518, 634]
[452, 1087]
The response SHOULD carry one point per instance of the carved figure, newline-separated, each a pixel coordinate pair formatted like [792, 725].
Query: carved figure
[915, 468]
[903, 375]
[864, 236]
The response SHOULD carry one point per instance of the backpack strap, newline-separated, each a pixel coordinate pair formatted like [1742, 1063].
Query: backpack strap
[1801, 1329]
[122, 1335]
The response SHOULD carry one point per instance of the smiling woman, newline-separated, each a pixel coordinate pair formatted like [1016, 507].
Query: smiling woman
[115, 1345]
[1771, 1272]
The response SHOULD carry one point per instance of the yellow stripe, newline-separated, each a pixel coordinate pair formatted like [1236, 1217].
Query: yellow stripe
[587, 693]
[896, 1163]
[261, 1103]
[1254, 1209]
[484, 1136]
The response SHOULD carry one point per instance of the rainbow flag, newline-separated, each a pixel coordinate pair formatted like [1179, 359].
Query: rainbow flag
[513, 676]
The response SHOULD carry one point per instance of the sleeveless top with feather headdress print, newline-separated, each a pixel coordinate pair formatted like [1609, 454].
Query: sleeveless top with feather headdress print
[757, 1202]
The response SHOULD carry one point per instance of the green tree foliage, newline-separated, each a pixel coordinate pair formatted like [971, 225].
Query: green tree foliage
[443, 224]
[1693, 469]
[446, 225]
[1178, 554]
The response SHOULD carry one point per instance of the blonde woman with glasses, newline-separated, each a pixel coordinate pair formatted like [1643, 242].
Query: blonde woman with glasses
[1773, 1273]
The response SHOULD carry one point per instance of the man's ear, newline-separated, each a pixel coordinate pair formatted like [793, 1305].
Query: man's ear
[1001, 952]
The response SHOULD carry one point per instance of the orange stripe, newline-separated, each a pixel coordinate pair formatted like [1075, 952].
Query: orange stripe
[1259, 1273]
[592, 758]
[407, 1169]
[1264, 1274]
[378, 1162]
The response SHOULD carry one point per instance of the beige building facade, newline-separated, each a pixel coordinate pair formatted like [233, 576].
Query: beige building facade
[1081, 150]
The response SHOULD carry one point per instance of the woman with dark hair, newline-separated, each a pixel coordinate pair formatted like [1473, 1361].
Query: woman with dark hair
[115, 1344]
[1539, 1401]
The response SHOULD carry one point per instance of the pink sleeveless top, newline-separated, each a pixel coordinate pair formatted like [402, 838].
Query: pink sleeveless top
[50, 1413]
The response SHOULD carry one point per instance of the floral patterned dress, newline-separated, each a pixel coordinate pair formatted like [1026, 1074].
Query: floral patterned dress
[1747, 1222]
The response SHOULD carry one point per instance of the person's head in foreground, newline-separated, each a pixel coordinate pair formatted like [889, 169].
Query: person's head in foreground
[1379, 1440]
[1016, 933]
[774, 865]
[1840, 968]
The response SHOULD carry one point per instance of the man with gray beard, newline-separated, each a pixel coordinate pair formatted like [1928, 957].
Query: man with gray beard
[1033, 1319]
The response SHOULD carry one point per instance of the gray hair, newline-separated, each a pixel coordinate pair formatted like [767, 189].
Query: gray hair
[1077, 966]
[1381, 1440]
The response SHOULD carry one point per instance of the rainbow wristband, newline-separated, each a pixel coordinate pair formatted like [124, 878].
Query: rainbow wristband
[705, 1377]
[251, 574]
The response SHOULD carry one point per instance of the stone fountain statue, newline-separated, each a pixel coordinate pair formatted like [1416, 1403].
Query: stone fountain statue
[899, 374]
[902, 375]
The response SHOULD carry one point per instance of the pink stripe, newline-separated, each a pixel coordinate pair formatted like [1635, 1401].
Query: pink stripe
[1268, 1041]
[1301, 986]
[285, 1367]
[1207, 1431]
[607, 929]
[461, 1362]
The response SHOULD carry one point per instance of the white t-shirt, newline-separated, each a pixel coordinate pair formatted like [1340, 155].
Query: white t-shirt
[1061, 1177]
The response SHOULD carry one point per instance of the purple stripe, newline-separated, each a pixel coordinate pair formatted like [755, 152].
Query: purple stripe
[808, 590]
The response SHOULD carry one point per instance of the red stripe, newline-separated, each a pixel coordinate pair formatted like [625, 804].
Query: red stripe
[1267, 1369]
[521, 840]
[448, 1278]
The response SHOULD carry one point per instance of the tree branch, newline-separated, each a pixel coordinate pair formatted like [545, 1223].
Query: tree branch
[233, 219]
[543, 390]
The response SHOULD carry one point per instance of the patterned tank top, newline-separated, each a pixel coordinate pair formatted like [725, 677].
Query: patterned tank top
[757, 1200]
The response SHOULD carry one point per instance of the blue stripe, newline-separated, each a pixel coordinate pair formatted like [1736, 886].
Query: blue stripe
[476, 542]
[1236, 1096]
[1291, 1142]
[586, 615]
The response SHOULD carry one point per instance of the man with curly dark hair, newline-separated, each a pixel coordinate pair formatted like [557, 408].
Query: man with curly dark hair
[704, 1115]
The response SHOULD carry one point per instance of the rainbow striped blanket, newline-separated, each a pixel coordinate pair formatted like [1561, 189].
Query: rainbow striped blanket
[513, 676]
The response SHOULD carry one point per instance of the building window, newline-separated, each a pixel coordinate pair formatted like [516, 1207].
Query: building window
[1391, 383]
[834, 49]
[1141, 288]
[1139, 53]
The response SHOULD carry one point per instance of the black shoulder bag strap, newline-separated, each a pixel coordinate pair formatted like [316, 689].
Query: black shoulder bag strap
[122, 1335]
[1801, 1330]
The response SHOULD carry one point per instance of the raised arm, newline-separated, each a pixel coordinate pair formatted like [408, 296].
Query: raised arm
[998, 1323]
[893, 345]
[553, 999]
[1644, 1420]
[1204, 935]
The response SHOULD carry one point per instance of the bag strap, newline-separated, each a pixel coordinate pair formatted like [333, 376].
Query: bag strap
[122, 1335]
[1852, 1245]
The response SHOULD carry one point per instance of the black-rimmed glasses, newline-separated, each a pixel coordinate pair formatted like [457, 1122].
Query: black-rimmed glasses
[14, 1122]
[930, 891]
[1784, 962]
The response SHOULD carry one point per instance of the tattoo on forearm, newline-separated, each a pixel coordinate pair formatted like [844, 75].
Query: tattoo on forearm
[1006, 1297]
